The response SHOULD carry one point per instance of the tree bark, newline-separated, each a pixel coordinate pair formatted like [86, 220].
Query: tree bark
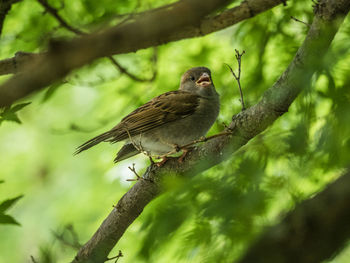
[38, 71]
[244, 126]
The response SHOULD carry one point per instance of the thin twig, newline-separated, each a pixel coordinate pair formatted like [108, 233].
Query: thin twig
[138, 177]
[297, 20]
[132, 76]
[238, 78]
[54, 12]
[120, 254]
[129, 16]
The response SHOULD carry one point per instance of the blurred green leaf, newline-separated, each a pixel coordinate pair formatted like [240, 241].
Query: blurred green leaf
[5, 205]
[10, 113]
[46, 254]
[19, 106]
[6, 219]
[52, 90]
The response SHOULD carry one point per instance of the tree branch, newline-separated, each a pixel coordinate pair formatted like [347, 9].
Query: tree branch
[141, 32]
[244, 126]
[312, 233]
[238, 76]
[132, 76]
[17, 63]
[54, 12]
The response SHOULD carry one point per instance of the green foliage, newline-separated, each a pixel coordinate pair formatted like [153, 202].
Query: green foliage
[213, 217]
[4, 206]
[51, 90]
[10, 113]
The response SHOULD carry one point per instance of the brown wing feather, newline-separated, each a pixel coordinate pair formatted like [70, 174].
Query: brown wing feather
[165, 108]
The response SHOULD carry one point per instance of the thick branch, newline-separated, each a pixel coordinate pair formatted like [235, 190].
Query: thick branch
[54, 12]
[18, 63]
[142, 31]
[312, 233]
[244, 126]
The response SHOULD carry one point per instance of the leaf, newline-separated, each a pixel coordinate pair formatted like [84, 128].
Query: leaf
[51, 90]
[6, 219]
[2, 181]
[5, 205]
[9, 113]
[19, 106]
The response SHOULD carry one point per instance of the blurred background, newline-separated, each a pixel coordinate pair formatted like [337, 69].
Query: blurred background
[213, 217]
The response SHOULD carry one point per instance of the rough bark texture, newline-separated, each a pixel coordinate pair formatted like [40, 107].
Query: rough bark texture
[313, 232]
[244, 126]
[142, 31]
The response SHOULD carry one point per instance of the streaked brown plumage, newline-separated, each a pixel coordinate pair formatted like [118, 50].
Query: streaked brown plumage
[170, 120]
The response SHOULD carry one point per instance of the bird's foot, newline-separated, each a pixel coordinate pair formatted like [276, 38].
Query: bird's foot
[184, 153]
[180, 159]
[163, 161]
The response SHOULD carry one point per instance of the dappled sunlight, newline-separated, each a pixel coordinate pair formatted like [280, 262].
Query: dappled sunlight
[207, 211]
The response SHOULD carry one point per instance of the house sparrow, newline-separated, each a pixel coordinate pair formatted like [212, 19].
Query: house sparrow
[167, 122]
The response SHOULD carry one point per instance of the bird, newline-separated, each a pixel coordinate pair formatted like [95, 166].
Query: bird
[168, 121]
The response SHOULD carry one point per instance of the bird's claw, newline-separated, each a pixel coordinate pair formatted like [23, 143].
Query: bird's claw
[163, 161]
[181, 158]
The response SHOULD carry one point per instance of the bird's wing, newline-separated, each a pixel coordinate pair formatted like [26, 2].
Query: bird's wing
[165, 108]
[168, 107]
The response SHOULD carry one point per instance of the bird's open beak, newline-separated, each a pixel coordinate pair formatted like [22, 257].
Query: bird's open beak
[204, 80]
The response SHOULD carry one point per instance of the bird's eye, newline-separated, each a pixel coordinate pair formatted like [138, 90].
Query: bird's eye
[192, 78]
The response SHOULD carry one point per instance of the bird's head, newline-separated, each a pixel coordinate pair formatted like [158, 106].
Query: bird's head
[198, 80]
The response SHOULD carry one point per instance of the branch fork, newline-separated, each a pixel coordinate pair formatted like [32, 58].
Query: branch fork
[238, 76]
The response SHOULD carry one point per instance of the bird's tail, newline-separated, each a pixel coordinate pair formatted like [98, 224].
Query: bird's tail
[96, 140]
[125, 152]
